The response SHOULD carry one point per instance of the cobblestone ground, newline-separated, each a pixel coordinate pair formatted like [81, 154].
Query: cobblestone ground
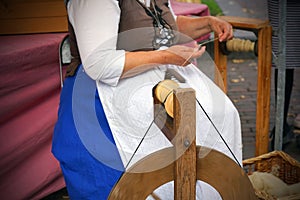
[242, 83]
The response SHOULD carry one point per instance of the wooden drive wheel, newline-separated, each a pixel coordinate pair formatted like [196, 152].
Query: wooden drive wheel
[184, 163]
[216, 169]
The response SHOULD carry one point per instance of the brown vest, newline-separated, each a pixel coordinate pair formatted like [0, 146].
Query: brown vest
[136, 30]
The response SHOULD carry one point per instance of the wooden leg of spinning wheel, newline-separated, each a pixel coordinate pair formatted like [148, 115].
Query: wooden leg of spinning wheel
[221, 62]
[263, 89]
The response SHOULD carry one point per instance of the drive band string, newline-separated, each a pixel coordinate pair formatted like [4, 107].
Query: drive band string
[145, 134]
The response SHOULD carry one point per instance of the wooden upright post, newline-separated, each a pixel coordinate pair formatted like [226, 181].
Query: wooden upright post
[181, 131]
[185, 144]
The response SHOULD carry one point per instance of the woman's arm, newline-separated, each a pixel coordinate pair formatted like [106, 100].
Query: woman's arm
[96, 28]
[196, 27]
[137, 62]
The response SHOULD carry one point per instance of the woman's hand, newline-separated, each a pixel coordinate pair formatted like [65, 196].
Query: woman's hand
[195, 27]
[181, 55]
[222, 28]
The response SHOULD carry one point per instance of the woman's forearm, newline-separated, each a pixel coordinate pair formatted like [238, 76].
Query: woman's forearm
[141, 61]
[194, 27]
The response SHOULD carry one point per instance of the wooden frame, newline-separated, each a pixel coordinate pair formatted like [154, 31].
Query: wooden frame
[264, 35]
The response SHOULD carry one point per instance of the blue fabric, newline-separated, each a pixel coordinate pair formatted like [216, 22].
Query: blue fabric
[86, 177]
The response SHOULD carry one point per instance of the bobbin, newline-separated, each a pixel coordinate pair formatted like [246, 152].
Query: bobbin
[239, 45]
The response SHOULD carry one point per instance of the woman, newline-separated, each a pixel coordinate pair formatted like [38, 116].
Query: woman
[105, 112]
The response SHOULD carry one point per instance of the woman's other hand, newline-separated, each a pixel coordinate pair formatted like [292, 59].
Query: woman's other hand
[222, 28]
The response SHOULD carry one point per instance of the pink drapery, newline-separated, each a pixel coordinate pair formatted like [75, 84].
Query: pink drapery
[29, 98]
[183, 8]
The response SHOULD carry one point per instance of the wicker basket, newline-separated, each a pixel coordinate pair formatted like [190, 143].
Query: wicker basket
[279, 164]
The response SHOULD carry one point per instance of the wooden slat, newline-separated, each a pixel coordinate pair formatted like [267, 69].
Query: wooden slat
[245, 23]
[34, 25]
[33, 9]
[32, 16]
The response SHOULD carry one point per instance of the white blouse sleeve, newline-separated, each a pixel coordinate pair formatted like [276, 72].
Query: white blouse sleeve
[171, 9]
[95, 24]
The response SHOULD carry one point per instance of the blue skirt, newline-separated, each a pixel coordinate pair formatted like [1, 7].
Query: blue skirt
[90, 166]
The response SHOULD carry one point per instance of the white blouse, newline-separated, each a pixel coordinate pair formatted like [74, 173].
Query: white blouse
[96, 24]
[96, 27]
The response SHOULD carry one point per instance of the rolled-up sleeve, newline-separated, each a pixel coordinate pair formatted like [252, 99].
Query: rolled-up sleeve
[96, 24]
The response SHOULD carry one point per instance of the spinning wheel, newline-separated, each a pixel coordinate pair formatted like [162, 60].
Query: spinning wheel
[187, 163]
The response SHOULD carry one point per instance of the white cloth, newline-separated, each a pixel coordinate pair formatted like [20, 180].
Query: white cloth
[146, 2]
[128, 103]
[96, 28]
